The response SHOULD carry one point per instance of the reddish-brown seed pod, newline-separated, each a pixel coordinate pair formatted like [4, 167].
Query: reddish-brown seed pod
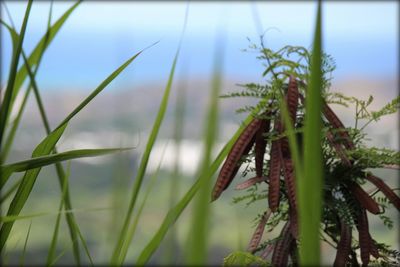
[250, 182]
[260, 146]
[385, 189]
[292, 98]
[281, 249]
[364, 238]
[274, 176]
[288, 173]
[256, 238]
[344, 246]
[337, 123]
[365, 200]
[227, 172]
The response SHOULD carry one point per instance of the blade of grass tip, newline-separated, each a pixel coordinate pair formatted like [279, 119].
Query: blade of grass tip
[46, 147]
[6, 104]
[22, 261]
[170, 255]
[146, 154]
[310, 188]
[53, 244]
[132, 229]
[174, 213]
[197, 245]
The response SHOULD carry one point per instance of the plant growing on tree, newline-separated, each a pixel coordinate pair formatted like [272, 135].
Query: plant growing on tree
[347, 163]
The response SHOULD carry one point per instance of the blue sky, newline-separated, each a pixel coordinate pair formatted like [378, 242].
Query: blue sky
[99, 36]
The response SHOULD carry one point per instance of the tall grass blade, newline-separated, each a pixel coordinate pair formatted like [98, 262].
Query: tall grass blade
[143, 163]
[174, 213]
[6, 104]
[171, 255]
[132, 228]
[146, 154]
[197, 249]
[310, 188]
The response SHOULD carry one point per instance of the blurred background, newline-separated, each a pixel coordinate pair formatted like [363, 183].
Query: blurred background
[98, 37]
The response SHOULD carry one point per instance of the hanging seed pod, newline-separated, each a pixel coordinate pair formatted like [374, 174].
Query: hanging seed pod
[386, 190]
[364, 238]
[281, 249]
[260, 146]
[274, 176]
[250, 182]
[256, 238]
[365, 200]
[344, 246]
[288, 173]
[292, 98]
[227, 172]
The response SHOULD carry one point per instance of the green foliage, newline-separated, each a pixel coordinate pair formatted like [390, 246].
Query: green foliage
[239, 258]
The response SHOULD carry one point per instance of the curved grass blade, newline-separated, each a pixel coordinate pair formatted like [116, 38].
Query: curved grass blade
[42, 161]
[146, 155]
[197, 243]
[45, 148]
[310, 186]
[143, 163]
[6, 103]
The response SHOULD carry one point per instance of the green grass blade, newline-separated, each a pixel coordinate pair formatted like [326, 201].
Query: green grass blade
[22, 262]
[170, 255]
[6, 104]
[197, 246]
[53, 244]
[310, 188]
[21, 196]
[34, 59]
[145, 158]
[174, 213]
[53, 158]
[132, 228]
[101, 87]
